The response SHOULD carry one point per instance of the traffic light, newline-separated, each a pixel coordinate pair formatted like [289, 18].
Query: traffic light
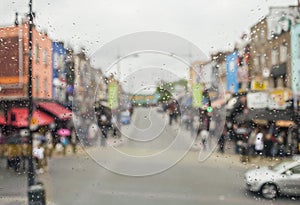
[209, 109]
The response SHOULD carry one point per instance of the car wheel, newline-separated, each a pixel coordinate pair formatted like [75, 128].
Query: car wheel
[269, 191]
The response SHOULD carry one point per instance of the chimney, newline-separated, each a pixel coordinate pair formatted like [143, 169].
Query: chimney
[17, 22]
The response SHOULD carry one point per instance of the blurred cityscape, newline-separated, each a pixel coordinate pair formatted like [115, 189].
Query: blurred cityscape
[257, 85]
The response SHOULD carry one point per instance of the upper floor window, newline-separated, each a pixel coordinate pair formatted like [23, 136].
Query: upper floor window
[263, 61]
[275, 55]
[36, 87]
[37, 53]
[45, 57]
[283, 53]
[262, 36]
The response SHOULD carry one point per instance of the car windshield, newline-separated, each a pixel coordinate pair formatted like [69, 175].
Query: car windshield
[279, 166]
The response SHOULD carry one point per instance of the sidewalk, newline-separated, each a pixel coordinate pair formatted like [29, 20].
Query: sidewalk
[229, 155]
[13, 186]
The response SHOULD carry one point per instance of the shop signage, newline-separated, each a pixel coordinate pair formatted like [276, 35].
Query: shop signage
[259, 85]
[257, 100]
[284, 123]
[231, 73]
[113, 95]
[197, 95]
[278, 99]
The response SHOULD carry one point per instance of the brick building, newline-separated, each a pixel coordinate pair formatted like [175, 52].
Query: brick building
[14, 62]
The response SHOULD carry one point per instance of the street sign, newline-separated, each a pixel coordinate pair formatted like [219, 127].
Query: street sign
[33, 123]
[113, 102]
[197, 95]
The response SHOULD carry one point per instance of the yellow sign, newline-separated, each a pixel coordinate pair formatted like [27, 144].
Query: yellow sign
[280, 96]
[284, 123]
[260, 122]
[33, 121]
[259, 85]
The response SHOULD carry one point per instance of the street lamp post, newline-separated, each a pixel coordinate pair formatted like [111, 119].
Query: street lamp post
[36, 192]
[31, 175]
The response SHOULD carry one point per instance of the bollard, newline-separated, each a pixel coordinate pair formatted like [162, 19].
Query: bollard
[36, 195]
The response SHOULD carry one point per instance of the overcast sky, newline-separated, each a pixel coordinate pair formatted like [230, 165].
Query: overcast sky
[211, 25]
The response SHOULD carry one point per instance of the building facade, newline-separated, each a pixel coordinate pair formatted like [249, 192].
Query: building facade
[14, 63]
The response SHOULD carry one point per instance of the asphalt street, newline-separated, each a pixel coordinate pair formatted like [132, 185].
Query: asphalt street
[97, 175]
[84, 180]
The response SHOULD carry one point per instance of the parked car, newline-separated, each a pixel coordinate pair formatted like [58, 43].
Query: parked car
[271, 181]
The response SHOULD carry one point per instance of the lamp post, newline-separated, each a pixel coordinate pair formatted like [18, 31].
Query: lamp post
[36, 192]
[31, 175]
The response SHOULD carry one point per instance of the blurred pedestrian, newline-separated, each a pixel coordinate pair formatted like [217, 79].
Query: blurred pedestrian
[280, 144]
[49, 144]
[104, 119]
[251, 141]
[74, 140]
[64, 142]
[39, 155]
[204, 135]
[171, 111]
[26, 152]
[259, 143]
[221, 141]
[268, 145]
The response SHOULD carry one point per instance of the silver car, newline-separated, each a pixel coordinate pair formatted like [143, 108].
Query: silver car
[282, 178]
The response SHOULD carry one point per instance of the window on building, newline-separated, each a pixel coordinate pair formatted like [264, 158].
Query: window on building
[36, 85]
[262, 36]
[45, 57]
[263, 61]
[37, 53]
[256, 63]
[56, 60]
[275, 55]
[45, 87]
[283, 53]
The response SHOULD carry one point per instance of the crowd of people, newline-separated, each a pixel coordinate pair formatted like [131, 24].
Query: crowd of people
[264, 142]
[17, 149]
[247, 140]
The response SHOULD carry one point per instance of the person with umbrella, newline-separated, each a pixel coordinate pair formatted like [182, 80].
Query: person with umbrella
[64, 133]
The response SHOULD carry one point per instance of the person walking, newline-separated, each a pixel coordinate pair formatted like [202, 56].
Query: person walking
[171, 111]
[251, 141]
[49, 144]
[221, 141]
[39, 155]
[104, 119]
[204, 135]
[259, 143]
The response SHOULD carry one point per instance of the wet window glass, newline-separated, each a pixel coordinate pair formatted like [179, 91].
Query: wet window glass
[149, 102]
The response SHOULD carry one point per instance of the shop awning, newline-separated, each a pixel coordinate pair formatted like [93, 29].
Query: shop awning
[55, 109]
[2, 120]
[19, 117]
[264, 114]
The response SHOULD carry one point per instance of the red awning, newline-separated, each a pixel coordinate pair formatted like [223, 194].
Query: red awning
[21, 117]
[56, 109]
[2, 120]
